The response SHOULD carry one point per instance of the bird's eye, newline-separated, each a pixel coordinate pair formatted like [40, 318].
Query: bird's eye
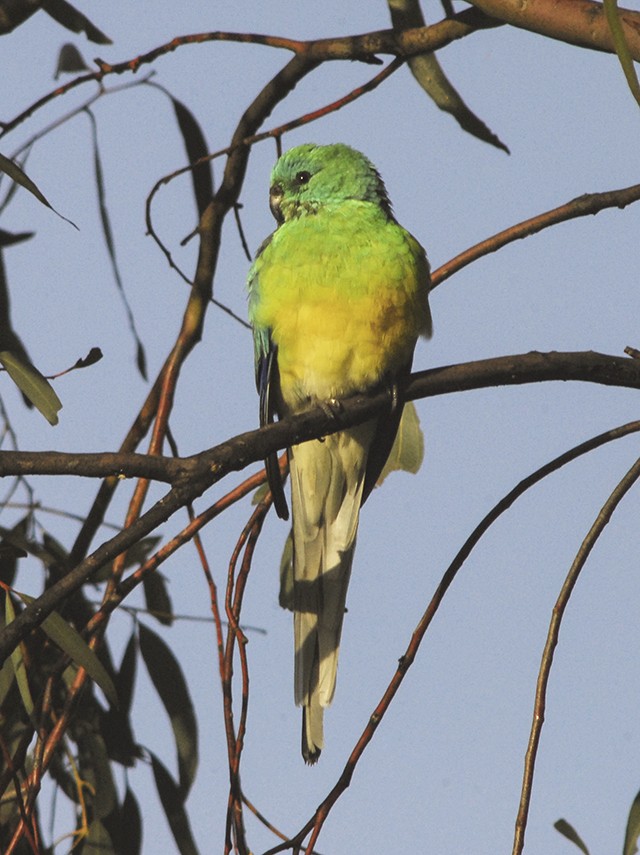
[303, 177]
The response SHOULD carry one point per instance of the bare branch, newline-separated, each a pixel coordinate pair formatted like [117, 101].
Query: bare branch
[582, 206]
[405, 662]
[578, 22]
[557, 613]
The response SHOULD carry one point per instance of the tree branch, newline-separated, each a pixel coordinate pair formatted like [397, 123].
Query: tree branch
[578, 22]
[193, 475]
[253, 446]
[581, 206]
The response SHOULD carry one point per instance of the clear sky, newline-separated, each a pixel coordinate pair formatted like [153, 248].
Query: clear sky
[443, 772]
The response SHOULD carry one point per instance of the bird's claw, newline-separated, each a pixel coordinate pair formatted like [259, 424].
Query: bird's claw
[394, 395]
[331, 408]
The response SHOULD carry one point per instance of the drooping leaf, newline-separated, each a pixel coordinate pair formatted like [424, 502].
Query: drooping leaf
[73, 644]
[97, 841]
[633, 828]
[95, 769]
[172, 798]
[196, 147]
[126, 676]
[13, 546]
[132, 823]
[70, 60]
[7, 676]
[260, 494]
[111, 249]
[20, 177]
[94, 355]
[168, 679]
[7, 673]
[157, 598]
[622, 48]
[32, 384]
[17, 661]
[64, 13]
[407, 452]
[115, 722]
[406, 14]
[571, 834]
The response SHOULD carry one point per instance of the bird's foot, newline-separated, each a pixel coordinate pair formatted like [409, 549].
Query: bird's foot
[332, 408]
[394, 396]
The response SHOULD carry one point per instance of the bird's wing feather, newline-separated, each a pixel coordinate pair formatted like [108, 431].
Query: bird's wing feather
[382, 443]
[268, 384]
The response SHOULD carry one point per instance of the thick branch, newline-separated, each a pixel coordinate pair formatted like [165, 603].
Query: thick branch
[239, 452]
[578, 22]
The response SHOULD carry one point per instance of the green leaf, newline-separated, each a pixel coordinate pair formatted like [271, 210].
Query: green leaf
[132, 825]
[407, 452]
[111, 248]
[13, 546]
[622, 48]
[17, 660]
[72, 643]
[406, 14]
[260, 494]
[70, 61]
[115, 722]
[571, 834]
[633, 828]
[97, 841]
[64, 13]
[172, 798]
[7, 675]
[94, 767]
[20, 177]
[126, 677]
[157, 597]
[32, 384]
[166, 675]
[196, 147]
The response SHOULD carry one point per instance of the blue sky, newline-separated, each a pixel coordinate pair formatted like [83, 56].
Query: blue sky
[444, 770]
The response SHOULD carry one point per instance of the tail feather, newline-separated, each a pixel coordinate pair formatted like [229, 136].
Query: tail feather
[327, 479]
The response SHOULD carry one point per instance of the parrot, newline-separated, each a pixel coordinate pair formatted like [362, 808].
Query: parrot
[337, 297]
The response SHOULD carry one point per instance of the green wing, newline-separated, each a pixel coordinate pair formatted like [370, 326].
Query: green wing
[267, 383]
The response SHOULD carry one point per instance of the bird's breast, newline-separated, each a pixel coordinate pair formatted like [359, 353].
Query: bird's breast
[345, 302]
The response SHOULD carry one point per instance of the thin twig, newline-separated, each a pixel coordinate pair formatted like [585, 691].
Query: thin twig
[557, 613]
[582, 206]
[315, 823]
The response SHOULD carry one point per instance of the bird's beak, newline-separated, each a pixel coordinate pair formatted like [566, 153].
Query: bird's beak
[275, 198]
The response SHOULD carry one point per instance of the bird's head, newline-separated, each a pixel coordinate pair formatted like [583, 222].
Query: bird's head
[310, 176]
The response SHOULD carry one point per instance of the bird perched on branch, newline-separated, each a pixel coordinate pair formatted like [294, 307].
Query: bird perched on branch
[337, 300]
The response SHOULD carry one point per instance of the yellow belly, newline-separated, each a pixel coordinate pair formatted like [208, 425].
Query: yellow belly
[345, 301]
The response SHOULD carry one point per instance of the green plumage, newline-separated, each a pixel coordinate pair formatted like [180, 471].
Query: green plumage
[337, 299]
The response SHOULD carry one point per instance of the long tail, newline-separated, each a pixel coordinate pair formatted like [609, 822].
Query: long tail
[327, 479]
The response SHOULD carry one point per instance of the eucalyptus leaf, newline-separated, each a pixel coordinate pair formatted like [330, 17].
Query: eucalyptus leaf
[172, 798]
[566, 829]
[407, 14]
[622, 48]
[17, 661]
[168, 679]
[20, 177]
[32, 384]
[72, 643]
[633, 828]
